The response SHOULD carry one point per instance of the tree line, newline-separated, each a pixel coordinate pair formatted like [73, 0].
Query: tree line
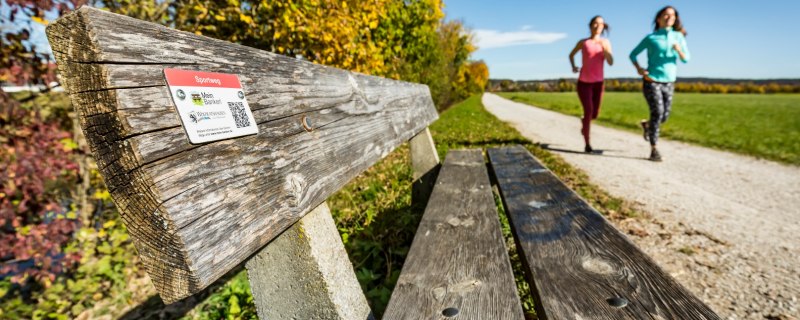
[635, 85]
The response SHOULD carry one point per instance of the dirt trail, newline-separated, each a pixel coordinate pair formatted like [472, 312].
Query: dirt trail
[726, 226]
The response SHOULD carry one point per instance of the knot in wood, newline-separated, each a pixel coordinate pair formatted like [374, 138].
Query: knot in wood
[597, 265]
[293, 188]
[456, 221]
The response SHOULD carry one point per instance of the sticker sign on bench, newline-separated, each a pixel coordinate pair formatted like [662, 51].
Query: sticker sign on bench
[212, 106]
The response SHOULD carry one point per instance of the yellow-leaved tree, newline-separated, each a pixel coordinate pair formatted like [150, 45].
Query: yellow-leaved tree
[400, 39]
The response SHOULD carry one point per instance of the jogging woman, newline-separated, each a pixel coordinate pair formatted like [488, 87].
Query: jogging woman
[594, 50]
[664, 47]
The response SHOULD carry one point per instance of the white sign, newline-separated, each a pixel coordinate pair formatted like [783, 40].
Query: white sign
[212, 106]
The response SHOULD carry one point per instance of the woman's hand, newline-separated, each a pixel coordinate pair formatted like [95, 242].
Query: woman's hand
[607, 52]
[606, 46]
[677, 48]
[645, 75]
[575, 69]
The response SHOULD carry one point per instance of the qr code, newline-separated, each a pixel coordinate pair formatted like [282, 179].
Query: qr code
[239, 115]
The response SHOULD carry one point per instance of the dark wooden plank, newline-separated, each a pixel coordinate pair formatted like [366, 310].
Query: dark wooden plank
[194, 211]
[578, 263]
[458, 258]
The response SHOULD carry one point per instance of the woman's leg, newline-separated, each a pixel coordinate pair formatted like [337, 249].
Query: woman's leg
[667, 91]
[597, 98]
[654, 96]
[585, 95]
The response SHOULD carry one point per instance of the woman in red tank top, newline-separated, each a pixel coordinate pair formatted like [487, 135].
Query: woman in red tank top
[594, 50]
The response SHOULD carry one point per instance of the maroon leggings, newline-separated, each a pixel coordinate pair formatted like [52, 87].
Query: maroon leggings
[590, 93]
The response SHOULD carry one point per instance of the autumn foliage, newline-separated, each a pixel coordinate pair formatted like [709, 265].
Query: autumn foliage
[399, 39]
[20, 60]
[37, 165]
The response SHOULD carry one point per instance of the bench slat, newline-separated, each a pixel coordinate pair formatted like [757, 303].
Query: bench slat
[577, 262]
[195, 212]
[458, 258]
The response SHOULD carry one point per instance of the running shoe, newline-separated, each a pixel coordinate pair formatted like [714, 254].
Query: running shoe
[655, 156]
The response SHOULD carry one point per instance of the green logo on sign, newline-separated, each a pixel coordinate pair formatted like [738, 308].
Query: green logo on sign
[197, 99]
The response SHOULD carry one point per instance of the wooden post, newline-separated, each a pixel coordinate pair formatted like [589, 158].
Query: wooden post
[425, 161]
[305, 274]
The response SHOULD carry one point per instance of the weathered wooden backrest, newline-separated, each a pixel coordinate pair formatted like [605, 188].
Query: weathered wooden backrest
[196, 211]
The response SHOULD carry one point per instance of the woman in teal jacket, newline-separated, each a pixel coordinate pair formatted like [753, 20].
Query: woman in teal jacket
[664, 47]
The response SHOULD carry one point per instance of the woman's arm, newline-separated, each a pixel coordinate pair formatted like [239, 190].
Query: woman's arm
[682, 49]
[636, 51]
[575, 50]
[607, 52]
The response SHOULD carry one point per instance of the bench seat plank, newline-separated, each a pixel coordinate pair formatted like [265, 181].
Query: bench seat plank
[580, 266]
[458, 258]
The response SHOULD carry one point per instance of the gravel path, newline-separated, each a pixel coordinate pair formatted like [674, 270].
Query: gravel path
[726, 226]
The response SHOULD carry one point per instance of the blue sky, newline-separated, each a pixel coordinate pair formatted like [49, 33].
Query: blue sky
[727, 39]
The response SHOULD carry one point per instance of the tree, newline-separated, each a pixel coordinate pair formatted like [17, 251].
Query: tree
[477, 76]
[335, 33]
[21, 61]
[400, 39]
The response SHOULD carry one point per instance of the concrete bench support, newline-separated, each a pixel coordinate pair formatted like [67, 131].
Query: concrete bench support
[305, 274]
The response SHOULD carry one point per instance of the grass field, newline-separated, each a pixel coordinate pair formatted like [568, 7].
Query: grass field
[764, 126]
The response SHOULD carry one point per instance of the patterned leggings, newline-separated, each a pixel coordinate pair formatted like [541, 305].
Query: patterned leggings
[659, 97]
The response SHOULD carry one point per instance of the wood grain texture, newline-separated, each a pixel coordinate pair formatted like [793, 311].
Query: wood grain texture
[575, 260]
[195, 211]
[458, 258]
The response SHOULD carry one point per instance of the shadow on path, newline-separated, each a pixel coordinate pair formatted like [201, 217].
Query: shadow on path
[596, 152]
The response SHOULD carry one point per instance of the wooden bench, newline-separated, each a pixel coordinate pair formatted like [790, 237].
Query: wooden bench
[195, 211]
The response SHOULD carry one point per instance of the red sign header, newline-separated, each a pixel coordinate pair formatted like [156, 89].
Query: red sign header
[188, 78]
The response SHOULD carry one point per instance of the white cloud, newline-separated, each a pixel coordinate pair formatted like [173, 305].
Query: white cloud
[495, 39]
[526, 27]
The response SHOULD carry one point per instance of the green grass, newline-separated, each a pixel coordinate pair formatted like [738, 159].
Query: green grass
[764, 126]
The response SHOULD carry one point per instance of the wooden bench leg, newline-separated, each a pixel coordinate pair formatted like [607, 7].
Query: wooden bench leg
[425, 162]
[305, 274]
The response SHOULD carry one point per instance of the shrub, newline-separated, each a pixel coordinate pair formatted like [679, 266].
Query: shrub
[35, 219]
